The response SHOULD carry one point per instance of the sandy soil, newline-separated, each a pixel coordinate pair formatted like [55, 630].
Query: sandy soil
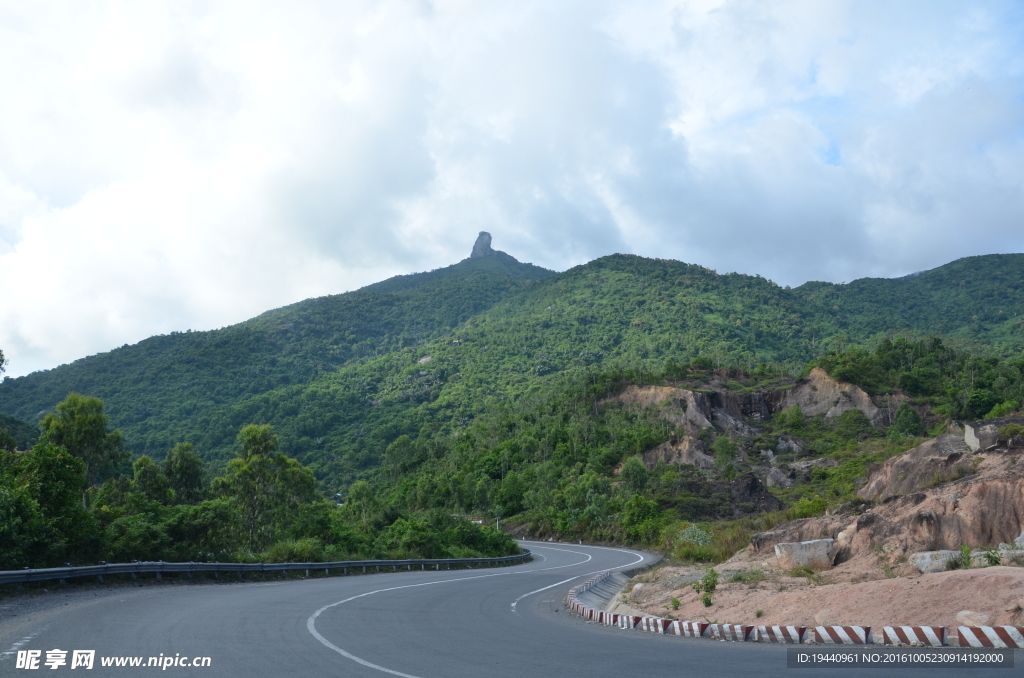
[995, 593]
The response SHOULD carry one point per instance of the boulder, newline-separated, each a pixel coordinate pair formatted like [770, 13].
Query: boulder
[813, 554]
[971, 618]
[981, 435]
[930, 463]
[932, 561]
[787, 445]
[776, 478]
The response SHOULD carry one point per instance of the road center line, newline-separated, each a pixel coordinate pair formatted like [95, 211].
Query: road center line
[311, 622]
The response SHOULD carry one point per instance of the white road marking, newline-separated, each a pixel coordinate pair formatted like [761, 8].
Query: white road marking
[639, 556]
[311, 622]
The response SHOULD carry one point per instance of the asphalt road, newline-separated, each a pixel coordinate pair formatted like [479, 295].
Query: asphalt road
[459, 624]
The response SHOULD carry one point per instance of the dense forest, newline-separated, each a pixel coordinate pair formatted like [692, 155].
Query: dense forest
[492, 388]
[77, 497]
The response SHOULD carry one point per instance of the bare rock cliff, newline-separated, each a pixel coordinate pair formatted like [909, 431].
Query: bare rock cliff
[821, 394]
[936, 461]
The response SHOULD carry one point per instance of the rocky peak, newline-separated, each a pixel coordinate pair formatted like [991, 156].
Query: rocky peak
[482, 246]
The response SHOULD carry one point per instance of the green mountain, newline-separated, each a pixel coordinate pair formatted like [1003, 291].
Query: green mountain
[24, 435]
[163, 385]
[341, 378]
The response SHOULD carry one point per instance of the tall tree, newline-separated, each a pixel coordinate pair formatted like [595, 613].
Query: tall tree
[184, 470]
[268, 487]
[80, 426]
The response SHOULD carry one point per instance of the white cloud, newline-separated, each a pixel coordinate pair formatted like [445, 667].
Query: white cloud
[188, 165]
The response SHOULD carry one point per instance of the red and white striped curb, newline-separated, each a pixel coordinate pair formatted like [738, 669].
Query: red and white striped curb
[927, 636]
[629, 621]
[781, 634]
[731, 632]
[991, 636]
[843, 635]
[691, 629]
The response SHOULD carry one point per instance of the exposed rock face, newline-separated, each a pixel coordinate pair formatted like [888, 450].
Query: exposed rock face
[814, 554]
[821, 394]
[776, 478]
[935, 461]
[689, 450]
[981, 435]
[678, 406]
[982, 510]
[482, 247]
[805, 529]
[928, 562]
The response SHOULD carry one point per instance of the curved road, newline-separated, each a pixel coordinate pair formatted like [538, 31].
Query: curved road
[459, 624]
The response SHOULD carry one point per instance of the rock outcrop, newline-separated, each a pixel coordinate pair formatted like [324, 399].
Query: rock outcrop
[821, 394]
[482, 246]
[981, 435]
[688, 450]
[983, 509]
[814, 554]
[936, 461]
[676, 405]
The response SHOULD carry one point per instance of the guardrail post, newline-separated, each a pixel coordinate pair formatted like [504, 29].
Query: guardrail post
[364, 569]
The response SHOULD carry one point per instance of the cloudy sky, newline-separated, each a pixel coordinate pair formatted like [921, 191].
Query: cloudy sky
[192, 164]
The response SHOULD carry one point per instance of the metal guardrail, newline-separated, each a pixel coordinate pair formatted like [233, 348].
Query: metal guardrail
[160, 568]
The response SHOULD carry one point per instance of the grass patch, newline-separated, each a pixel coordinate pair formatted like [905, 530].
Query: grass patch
[748, 577]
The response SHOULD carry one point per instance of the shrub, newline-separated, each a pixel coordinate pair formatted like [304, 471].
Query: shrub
[1003, 409]
[906, 421]
[1011, 431]
[706, 586]
[808, 508]
[962, 560]
[675, 603]
[791, 419]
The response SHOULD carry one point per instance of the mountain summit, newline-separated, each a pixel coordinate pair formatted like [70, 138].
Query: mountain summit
[482, 246]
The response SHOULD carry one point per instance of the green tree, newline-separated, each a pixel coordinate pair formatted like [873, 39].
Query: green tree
[185, 473]
[7, 441]
[82, 428]
[149, 480]
[791, 419]
[725, 453]
[268, 487]
[56, 480]
[634, 474]
[906, 421]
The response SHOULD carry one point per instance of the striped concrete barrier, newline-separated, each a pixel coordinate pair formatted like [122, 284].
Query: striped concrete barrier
[693, 629]
[781, 634]
[629, 621]
[991, 636]
[843, 635]
[926, 636]
[729, 631]
[915, 636]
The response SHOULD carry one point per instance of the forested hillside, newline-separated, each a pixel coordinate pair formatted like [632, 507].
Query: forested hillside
[154, 389]
[341, 378]
[494, 388]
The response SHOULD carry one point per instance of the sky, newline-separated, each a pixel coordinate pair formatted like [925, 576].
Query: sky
[167, 166]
